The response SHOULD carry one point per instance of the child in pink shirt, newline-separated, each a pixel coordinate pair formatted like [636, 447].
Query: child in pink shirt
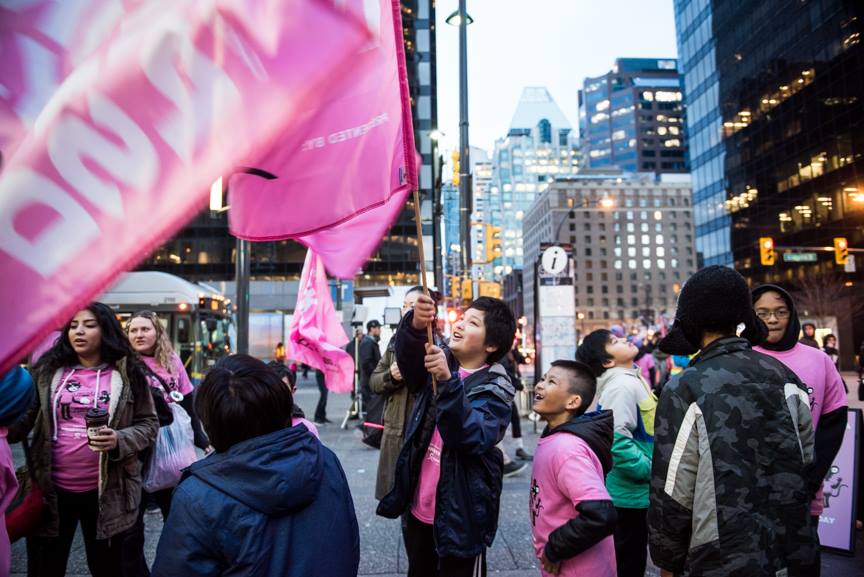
[828, 403]
[572, 515]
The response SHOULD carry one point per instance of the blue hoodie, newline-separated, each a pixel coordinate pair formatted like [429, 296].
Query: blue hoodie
[276, 505]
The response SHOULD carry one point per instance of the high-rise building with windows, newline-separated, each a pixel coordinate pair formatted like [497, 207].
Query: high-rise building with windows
[774, 92]
[632, 117]
[204, 250]
[632, 239]
[537, 150]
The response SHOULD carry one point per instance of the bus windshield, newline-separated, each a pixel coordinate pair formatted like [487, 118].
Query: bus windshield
[214, 335]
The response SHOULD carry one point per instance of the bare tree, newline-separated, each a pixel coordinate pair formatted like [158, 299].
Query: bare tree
[818, 296]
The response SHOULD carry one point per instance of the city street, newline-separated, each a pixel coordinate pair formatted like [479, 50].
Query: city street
[381, 550]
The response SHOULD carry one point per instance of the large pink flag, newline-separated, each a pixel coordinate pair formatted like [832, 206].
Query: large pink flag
[117, 115]
[338, 181]
[316, 336]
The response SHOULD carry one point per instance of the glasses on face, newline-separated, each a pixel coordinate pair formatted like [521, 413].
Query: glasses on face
[779, 314]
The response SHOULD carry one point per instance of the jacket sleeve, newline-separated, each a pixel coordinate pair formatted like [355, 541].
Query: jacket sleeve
[474, 425]
[595, 522]
[145, 425]
[673, 482]
[181, 550]
[21, 428]
[828, 438]
[382, 381]
[627, 457]
[410, 352]
[368, 358]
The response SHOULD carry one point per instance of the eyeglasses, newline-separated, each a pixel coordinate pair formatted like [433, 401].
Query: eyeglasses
[779, 314]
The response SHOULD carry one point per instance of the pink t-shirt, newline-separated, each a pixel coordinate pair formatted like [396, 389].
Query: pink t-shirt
[310, 426]
[566, 471]
[76, 466]
[177, 380]
[8, 488]
[423, 505]
[824, 384]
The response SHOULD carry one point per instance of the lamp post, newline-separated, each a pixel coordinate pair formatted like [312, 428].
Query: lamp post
[242, 268]
[461, 19]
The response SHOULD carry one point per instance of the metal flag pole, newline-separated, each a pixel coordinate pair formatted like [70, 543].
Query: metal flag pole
[423, 272]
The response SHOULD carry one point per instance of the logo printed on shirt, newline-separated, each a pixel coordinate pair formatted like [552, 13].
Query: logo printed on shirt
[536, 502]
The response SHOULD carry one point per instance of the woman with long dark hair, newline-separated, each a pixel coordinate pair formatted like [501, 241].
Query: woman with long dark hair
[168, 378]
[97, 481]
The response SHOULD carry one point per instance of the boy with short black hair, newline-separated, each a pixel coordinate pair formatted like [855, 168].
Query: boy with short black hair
[621, 389]
[572, 515]
[450, 443]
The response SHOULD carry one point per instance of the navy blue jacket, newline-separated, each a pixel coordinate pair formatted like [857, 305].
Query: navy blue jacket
[273, 506]
[472, 417]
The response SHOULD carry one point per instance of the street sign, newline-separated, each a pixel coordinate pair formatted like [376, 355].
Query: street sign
[799, 257]
[850, 264]
[554, 260]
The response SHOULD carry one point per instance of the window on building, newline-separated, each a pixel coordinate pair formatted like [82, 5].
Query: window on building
[587, 251]
[544, 128]
[631, 263]
[589, 276]
[619, 289]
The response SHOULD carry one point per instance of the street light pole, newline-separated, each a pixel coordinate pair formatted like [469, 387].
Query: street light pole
[464, 152]
[243, 272]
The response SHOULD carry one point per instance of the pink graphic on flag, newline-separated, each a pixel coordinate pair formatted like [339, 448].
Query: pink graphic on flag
[339, 180]
[316, 336]
[117, 115]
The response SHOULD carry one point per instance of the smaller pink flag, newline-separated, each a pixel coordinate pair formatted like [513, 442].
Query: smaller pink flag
[316, 336]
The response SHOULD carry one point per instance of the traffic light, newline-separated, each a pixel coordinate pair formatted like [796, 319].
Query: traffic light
[841, 250]
[467, 290]
[455, 288]
[493, 242]
[456, 167]
[766, 251]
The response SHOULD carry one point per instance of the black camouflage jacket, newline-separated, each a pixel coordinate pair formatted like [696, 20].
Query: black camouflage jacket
[729, 496]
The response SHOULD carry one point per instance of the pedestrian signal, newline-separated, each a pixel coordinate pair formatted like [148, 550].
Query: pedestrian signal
[766, 251]
[841, 250]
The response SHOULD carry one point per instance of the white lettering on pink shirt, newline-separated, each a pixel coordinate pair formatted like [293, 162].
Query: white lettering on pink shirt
[76, 466]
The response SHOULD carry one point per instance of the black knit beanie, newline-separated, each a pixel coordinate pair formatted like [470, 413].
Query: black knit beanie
[714, 299]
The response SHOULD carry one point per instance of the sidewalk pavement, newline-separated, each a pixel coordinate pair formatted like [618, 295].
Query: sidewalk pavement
[381, 550]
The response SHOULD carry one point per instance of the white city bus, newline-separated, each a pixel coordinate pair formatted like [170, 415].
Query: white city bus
[196, 316]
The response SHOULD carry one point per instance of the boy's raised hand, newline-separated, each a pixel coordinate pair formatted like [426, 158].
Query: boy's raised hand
[436, 363]
[424, 312]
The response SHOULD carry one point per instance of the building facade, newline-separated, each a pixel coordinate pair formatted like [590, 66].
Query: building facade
[775, 109]
[632, 117]
[632, 238]
[204, 250]
[538, 149]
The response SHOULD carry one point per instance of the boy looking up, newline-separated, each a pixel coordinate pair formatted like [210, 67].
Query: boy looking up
[449, 472]
[621, 389]
[572, 515]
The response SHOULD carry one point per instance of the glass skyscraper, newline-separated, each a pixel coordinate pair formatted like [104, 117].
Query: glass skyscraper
[632, 117]
[537, 150]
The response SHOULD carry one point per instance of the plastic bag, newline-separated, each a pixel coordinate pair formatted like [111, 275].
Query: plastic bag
[174, 451]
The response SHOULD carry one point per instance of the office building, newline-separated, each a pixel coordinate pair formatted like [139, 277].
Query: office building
[775, 110]
[538, 149]
[632, 239]
[632, 117]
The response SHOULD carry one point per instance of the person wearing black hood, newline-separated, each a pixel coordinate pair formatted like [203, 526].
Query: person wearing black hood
[809, 337]
[828, 403]
[733, 445]
[572, 514]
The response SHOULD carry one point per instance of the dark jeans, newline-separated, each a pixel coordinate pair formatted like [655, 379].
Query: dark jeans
[815, 569]
[515, 422]
[423, 560]
[321, 408]
[121, 555]
[161, 498]
[631, 542]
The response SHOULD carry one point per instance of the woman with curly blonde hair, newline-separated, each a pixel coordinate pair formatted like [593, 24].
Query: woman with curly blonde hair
[168, 380]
